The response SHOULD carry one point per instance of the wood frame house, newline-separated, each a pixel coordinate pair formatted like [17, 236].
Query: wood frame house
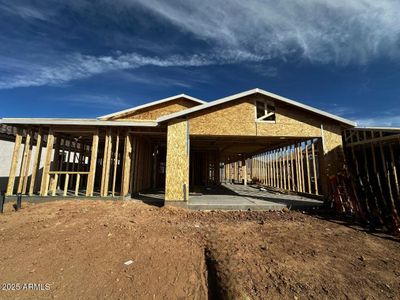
[179, 144]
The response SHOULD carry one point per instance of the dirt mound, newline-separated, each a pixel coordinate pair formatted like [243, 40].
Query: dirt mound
[80, 249]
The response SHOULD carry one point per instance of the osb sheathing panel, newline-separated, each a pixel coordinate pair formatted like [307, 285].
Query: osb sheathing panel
[333, 159]
[238, 118]
[156, 111]
[177, 170]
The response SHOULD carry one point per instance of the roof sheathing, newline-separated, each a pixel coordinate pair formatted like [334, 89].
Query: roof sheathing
[251, 92]
[146, 105]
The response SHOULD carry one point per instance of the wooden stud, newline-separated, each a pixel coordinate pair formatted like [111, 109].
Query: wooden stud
[284, 167]
[292, 175]
[308, 169]
[387, 177]
[93, 163]
[314, 168]
[54, 165]
[47, 163]
[24, 174]
[22, 170]
[280, 162]
[126, 165]
[14, 163]
[288, 168]
[66, 185]
[137, 153]
[244, 168]
[115, 163]
[266, 169]
[303, 184]
[110, 146]
[296, 158]
[53, 186]
[276, 178]
[60, 156]
[394, 170]
[68, 154]
[106, 163]
[36, 162]
[78, 178]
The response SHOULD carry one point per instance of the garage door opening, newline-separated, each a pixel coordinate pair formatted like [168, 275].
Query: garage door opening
[241, 173]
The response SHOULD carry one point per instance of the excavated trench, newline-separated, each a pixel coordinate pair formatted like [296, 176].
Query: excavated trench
[216, 289]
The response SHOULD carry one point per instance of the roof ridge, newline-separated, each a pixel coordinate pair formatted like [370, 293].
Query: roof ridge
[250, 92]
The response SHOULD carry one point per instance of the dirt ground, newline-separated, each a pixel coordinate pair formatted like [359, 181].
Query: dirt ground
[78, 248]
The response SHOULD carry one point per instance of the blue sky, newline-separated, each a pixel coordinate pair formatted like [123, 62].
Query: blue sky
[90, 58]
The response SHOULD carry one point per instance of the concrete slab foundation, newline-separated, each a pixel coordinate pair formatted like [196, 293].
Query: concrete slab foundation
[235, 197]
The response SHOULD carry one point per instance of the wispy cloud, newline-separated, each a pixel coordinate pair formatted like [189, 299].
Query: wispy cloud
[82, 66]
[342, 31]
[382, 120]
[88, 100]
[339, 109]
[25, 11]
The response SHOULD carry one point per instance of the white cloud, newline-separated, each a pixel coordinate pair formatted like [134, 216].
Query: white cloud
[82, 66]
[383, 120]
[98, 100]
[320, 31]
[340, 31]
[24, 11]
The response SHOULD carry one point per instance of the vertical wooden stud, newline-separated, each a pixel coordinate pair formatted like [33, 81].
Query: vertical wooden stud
[47, 163]
[93, 163]
[36, 162]
[14, 163]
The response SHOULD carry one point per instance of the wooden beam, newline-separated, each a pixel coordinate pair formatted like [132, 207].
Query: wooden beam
[388, 183]
[244, 171]
[28, 164]
[36, 162]
[126, 165]
[394, 170]
[303, 184]
[314, 168]
[93, 163]
[308, 169]
[375, 140]
[25, 164]
[47, 163]
[104, 166]
[296, 158]
[66, 185]
[288, 167]
[115, 163]
[53, 186]
[78, 178]
[108, 162]
[14, 163]
[293, 177]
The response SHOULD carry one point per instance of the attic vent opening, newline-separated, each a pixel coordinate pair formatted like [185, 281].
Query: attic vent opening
[265, 111]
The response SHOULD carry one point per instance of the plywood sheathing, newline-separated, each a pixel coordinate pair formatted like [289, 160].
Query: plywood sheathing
[151, 113]
[331, 155]
[238, 119]
[177, 167]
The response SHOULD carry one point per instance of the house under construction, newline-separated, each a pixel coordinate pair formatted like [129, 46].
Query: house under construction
[180, 145]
